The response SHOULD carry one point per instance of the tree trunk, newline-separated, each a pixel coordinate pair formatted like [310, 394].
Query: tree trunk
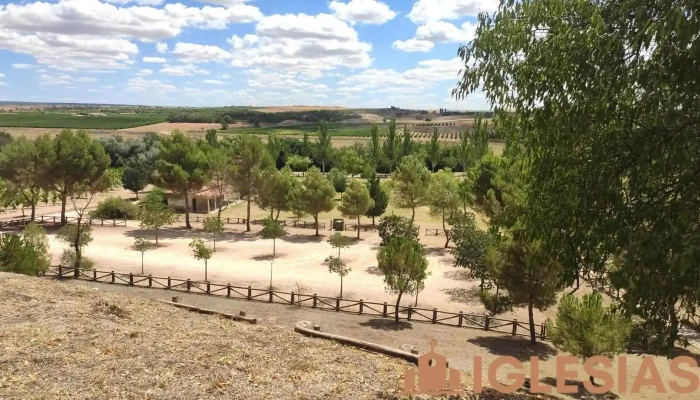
[274, 247]
[156, 236]
[272, 212]
[416, 303]
[413, 214]
[396, 309]
[247, 221]
[64, 198]
[137, 194]
[447, 235]
[33, 211]
[533, 336]
[206, 275]
[187, 211]
[316, 221]
[141, 263]
[214, 241]
[358, 228]
[373, 220]
[277, 217]
[673, 333]
[341, 286]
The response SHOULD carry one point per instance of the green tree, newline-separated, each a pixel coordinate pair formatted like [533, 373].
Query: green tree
[407, 143]
[222, 172]
[379, 196]
[298, 163]
[35, 238]
[20, 165]
[375, 149]
[18, 256]
[272, 230]
[337, 266]
[251, 159]
[317, 194]
[274, 146]
[609, 147]
[585, 328]
[276, 192]
[183, 168]
[143, 245]
[136, 175]
[339, 241]
[77, 236]
[352, 163]
[444, 198]
[434, 154]
[403, 263]
[339, 180]
[5, 139]
[70, 161]
[211, 137]
[225, 121]
[154, 214]
[306, 147]
[201, 252]
[393, 226]
[324, 147]
[294, 199]
[213, 225]
[356, 202]
[391, 146]
[410, 182]
[471, 248]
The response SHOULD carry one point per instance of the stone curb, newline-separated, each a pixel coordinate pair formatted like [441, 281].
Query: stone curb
[252, 321]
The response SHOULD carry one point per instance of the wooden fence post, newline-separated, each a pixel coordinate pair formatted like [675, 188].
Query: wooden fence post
[112, 276]
[94, 274]
[114, 222]
[515, 327]
[168, 282]
[337, 303]
[435, 315]
[292, 298]
[315, 299]
[102, 222]
[410, 311]
[60, 272]
[270, 293]
[543, 330]
[361, 306]
[228, 290]
[460, 319]
[188, 285]
[150, 281]
[131, 279]
[250, 293]
[486, 323]
[384, 313]
[208, 288]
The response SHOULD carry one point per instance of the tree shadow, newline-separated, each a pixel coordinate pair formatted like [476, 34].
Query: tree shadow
[303, 238]
[516, 347]
[457, 275]
[374, 270]
[386, 324]
[462, 295]
[435, 251]
[267, 257]
[581, 391]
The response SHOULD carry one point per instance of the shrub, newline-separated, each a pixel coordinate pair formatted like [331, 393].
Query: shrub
[68, 260]
[115, 208]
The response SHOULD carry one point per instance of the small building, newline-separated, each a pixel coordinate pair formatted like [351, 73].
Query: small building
[202, 202]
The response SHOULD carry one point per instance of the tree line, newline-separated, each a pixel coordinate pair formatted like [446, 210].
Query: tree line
[252, 116]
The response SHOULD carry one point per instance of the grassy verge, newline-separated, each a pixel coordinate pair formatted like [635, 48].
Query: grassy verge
[72, 121]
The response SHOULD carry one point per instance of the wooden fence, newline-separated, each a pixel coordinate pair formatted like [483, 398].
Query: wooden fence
[435, 232]
[54, 219]
[337, 304]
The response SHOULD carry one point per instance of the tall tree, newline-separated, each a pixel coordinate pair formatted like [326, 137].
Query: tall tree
[251, 158]
[403, 263]
[406, 143]
[379, 196]
[70, 161]
[411, 181]
[444, 198]
[20, 166]
[337, 266]
[306, 147]
[274, 193]
[155, 214]
[183, 167]
[434, 154]
[324, 148]
[211, 137]
[352, 163]
[339, 180]
[393, 226]
[606, 110]
[136, 175]
[471, 248]
[221, 172]
[391, 148]
[317, 194]
[356, 202]
[375, 149]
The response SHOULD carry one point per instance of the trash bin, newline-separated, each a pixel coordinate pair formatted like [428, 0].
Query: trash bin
[338, 224]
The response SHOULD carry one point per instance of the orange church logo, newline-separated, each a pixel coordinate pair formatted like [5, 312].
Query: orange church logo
[432, 374]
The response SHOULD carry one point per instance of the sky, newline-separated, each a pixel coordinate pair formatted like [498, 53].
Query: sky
[351, 53]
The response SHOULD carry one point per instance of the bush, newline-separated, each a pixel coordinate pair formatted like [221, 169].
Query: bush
[155, 196]
[115, 208]
[68, 260]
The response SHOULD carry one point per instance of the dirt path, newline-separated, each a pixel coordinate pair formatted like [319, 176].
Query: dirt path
[459, 345]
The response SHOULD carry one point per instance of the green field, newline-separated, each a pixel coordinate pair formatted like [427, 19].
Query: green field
[335, 129]
[64, 120]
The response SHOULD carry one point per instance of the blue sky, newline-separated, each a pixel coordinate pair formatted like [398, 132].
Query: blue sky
[353, 53]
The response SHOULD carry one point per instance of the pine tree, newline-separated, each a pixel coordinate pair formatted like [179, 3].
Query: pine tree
[378, 194]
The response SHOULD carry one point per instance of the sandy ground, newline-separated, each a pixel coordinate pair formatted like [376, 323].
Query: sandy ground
[167, 127]
[460, 346]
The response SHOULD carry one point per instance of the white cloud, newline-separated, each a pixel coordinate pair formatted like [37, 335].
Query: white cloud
[57, 79]
[140, 85]
[2, 75]
[23, 66]
[154, 60]
[183, 70]
[70, 52]
[413, 45]
[223, 2]
[86, 79]
[139, 2]
[2, 83]
[212, 82]
[364, 11]
[91, 17]
[199, 53]
[162, 48]
[144, 72]
[301, 41]
[424, 11]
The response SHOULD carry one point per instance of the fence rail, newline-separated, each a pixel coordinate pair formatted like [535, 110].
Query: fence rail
[56, 219]
[435, 232]
[337, 304]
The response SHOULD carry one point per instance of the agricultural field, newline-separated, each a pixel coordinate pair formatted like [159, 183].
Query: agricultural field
[76, 121]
